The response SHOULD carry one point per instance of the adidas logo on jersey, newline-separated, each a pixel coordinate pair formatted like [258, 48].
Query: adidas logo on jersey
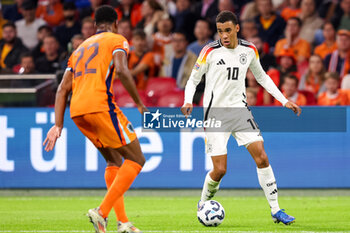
[221, 62]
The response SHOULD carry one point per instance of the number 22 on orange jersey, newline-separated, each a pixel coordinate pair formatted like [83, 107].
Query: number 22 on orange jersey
[85, 70]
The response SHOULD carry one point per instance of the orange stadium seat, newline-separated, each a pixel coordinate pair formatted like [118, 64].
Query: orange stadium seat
[172, 99]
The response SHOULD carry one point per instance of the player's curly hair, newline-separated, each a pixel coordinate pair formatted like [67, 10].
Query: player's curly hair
[105, 14]
[225, 16]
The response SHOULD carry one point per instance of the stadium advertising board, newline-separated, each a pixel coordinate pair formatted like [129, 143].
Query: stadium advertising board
[311, 151]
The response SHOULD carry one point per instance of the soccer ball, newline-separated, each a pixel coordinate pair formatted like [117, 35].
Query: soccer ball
[211, 213]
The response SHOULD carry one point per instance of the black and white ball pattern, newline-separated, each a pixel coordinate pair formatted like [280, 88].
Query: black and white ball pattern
[211, 214]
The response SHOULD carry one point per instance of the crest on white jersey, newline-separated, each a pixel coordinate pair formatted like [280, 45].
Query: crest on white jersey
[243, 58]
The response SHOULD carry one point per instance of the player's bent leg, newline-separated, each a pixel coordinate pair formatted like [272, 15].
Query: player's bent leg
[257, 151]
[213, 178]
[134, 160]
[267, 182]
[119, 208]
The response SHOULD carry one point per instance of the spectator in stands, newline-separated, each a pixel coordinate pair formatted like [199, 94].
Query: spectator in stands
[185, 20]
[248, 29]
[179, 65]
[2, 21]
[290, 91]
[267, 61]
[162, 38]
[313, 80]
[299, 47]
[251, 96]
[72, 46]
[43, 31]
[28, 26]
[338, 61]
[27, 64]
[125, 29]
[207, 9]
[333, 95]
[142, 64]
[270, 25]
[249, 11]
[12, 12]
[202, 33]
[287, 65]
[11, 47]
[341, 18]
[49, 63]
[71, 26]
[329, 44]
[310, 20]
[291, 10]
[226, 5]
[52, 13]
[152, 12]
[262, 97]
[345, 84]
[88, 27]
[129, 10]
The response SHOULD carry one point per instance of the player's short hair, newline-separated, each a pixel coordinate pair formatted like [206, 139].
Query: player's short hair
[293, 77]
[105, 14]
[332, 75]
[9, 24]
[225, 16]
[300, 23]
[139, 33]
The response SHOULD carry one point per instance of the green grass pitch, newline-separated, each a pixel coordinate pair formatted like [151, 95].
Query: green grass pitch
[174, 211]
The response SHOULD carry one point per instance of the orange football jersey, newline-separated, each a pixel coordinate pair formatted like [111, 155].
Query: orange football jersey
[93, 68]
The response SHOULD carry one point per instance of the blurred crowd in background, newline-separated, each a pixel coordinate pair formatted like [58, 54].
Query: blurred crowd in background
[304, 45]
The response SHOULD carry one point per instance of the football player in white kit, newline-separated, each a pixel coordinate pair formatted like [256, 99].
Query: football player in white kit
[225, 63]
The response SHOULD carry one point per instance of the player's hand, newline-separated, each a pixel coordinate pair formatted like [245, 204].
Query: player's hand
[142, 108]
[51, 137]
[186, 109]
[295, 108]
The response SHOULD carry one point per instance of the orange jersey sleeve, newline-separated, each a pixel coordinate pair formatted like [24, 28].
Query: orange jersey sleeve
[92, 66]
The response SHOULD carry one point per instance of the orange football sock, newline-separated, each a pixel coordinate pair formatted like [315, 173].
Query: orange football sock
[126, 175]
[110, 174]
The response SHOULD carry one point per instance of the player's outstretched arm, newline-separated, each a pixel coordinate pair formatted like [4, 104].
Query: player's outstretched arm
[123, 72]
[295, 108]
[60, 106]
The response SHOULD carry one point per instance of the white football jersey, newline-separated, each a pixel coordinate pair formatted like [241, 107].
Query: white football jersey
[225, 72]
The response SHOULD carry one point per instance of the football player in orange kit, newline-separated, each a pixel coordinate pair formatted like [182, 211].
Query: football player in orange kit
[89, 76]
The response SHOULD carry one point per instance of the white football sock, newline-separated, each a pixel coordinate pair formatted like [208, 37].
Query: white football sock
[268, 184]
[210, 187]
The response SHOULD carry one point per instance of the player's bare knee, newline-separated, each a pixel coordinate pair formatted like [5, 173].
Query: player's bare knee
[262, 160]
[142, 161]
[219, 172]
